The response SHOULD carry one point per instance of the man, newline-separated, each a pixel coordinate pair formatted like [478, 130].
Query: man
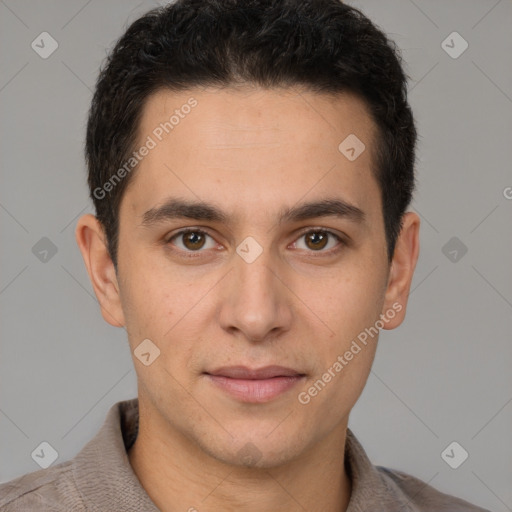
[251, 165]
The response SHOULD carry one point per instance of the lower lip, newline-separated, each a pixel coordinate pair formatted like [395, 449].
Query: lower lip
[255, 390]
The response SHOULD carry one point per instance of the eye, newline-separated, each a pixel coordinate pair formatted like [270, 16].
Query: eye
[318, 239]
[315, 240]
[192, 240]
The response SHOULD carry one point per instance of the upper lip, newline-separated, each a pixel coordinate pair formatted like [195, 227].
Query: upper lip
[267, 372]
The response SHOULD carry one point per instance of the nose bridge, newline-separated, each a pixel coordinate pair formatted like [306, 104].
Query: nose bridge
[257, 301]
[254, 278]
[255, 282]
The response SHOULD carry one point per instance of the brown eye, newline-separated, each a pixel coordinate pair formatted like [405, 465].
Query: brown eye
[319, 241]
[316, 240]
[192, 240]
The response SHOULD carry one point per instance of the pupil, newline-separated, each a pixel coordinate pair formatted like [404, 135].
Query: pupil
[194, 239]
[318, 237]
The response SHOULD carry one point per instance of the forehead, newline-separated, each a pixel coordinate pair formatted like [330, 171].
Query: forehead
[252, 146]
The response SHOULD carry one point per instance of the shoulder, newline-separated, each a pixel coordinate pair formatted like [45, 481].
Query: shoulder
[51, 489]
[421, 496]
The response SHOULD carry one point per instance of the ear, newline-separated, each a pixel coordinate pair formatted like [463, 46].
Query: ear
[91, 240]
[402, 270]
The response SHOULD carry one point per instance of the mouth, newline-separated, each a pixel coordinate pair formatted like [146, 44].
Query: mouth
[255, 385]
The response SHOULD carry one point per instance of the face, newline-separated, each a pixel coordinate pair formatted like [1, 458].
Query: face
[252, 255]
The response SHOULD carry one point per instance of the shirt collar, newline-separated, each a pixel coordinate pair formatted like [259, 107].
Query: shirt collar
[102, 470]
[106, 480]
[371, 490]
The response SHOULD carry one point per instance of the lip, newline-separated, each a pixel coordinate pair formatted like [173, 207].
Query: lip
[255, 385]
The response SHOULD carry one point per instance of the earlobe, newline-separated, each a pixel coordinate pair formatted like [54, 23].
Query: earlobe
[402, 270]
[91, 240]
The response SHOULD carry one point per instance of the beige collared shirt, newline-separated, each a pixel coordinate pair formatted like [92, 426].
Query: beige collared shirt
[100, 479]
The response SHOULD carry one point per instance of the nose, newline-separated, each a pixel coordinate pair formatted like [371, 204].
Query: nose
[257, 303]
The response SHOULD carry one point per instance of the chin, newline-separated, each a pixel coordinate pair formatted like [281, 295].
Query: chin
[256, 452]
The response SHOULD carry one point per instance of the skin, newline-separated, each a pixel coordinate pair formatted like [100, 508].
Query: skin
[250, 152]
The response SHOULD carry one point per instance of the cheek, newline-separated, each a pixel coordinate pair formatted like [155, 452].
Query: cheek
[355, 304]
[160, 306]
[147, 304]
[351, 304]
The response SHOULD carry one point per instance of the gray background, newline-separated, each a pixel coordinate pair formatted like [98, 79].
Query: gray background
[444, 375]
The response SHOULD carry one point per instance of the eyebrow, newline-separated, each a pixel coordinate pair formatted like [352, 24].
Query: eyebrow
[175, 208]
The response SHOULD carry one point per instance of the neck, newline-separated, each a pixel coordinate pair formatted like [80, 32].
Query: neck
[178, 475]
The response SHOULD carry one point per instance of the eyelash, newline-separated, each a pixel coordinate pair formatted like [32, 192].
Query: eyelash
[195, 254]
